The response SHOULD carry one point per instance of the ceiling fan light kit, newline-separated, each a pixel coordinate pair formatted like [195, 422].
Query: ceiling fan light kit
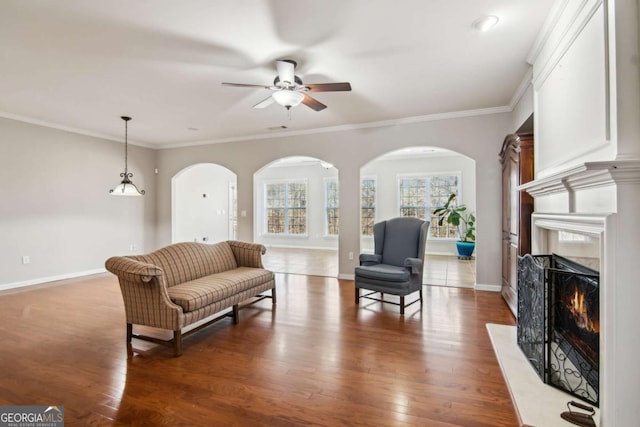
[289, 91]
[288, 98]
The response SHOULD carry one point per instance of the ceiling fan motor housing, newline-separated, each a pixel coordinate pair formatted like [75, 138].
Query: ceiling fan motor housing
[297, 81]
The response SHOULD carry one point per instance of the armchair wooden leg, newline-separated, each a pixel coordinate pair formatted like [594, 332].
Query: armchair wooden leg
[177, 343]
[401, 306]
[273, 296]
[357, 296]
[129, 332]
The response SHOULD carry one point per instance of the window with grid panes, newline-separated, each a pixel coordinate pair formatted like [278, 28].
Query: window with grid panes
[420, 195]
[332, 207]
[367, 206]
[286, 208]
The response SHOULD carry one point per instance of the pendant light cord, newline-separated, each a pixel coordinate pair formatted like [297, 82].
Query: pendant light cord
[126, 137]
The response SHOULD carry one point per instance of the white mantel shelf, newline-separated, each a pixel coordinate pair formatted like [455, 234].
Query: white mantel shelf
[585, 175]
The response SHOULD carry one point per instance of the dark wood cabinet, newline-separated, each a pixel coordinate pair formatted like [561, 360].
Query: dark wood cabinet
[516, 157]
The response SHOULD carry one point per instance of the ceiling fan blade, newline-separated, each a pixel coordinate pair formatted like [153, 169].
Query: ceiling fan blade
[313, 103]
[245, 85]
[329, 87]
[286, 71]
[264, 103]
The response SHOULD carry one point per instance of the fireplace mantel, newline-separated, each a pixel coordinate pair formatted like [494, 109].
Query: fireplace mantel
[585, 175]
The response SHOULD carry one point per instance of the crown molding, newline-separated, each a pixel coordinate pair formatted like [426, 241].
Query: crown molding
[547, 28]
[70, 129]
[527, 80]
[341, 128]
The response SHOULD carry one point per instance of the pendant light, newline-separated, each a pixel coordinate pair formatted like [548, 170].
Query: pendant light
[126, 187]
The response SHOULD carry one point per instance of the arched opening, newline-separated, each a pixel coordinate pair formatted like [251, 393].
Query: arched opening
[203, 204]
[412, 182]
[297, 215]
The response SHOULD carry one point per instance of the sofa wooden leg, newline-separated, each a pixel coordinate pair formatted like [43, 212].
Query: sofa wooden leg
[129, 332]
[273, 296]
[401, 306]
[357, 295]
[177, 343]
[236, 314]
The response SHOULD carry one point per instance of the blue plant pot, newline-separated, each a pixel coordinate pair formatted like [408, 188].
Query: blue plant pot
[465, 248]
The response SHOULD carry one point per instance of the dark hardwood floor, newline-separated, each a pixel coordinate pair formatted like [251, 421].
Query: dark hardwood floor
[315, 360]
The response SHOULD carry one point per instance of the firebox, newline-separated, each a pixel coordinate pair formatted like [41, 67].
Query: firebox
[559, 322]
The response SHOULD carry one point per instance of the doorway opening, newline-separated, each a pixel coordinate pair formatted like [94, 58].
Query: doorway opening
[297, 215]
[412, 182]
[203, 204]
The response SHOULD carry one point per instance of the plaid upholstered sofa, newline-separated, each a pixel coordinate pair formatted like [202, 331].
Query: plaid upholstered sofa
[184, 283]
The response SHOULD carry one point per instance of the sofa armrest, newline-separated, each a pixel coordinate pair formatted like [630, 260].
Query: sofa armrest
[247, 254]
[132, 270]
[415, 264]
[370, 259]
[144, 291]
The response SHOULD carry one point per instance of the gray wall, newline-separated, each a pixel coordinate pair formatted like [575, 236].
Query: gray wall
[55, 207]
[478, 137]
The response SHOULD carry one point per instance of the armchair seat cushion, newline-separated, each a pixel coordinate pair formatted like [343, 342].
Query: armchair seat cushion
[208, 290]
[384, 272]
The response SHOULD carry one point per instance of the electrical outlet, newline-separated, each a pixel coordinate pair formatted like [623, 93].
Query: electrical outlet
[26, 259]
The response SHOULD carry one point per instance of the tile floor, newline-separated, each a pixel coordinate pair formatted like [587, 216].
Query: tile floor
[440, 270]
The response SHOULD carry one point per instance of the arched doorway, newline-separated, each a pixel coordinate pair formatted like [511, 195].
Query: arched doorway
[412, 182]
[203, 204]
[297, 215]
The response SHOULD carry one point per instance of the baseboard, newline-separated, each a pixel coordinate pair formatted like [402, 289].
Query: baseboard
[41, 280]
[490, 288]
[440, 253]
[347, 276]
[298, 247]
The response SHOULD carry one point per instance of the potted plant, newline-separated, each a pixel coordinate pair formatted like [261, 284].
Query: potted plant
[464, 221]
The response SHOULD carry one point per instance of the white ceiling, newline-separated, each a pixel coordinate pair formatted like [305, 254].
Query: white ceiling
[80, 65]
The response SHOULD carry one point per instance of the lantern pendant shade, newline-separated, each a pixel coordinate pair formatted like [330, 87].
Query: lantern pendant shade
[126, 187]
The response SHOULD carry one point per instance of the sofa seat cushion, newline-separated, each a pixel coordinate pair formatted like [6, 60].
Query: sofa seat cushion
[389, 273]
[207, 290]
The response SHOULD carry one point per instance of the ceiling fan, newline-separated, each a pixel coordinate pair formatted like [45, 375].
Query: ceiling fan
[289, 91]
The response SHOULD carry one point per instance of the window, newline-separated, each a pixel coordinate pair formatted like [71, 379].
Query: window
[332, 207]
[367, 206]
[286, 208]
[420, 195]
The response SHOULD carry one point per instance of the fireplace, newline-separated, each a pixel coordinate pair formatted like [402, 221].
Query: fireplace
[559, 322]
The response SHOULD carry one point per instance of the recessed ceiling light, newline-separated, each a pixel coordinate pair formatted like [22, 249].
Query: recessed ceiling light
[485, 23]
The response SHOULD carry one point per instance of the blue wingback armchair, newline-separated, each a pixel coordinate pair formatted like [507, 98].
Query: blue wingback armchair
[396, 266]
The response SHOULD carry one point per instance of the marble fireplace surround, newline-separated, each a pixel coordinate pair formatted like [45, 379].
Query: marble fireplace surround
[585, 199]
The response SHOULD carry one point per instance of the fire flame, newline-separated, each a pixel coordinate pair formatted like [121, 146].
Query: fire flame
[578, 309]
